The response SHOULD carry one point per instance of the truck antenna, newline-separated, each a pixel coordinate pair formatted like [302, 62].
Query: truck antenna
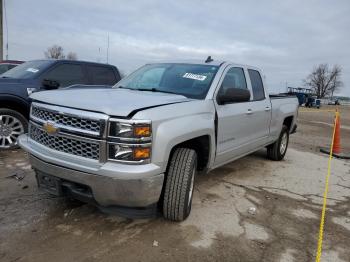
[209, 59]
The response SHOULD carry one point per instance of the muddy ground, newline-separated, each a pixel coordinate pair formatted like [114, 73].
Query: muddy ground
[249, 210]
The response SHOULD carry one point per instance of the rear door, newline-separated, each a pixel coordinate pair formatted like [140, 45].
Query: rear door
[102, 75]
[236, 124]
[261, 111]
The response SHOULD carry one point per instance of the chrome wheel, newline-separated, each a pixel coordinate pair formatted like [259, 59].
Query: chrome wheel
[10, 129]
[284, 143]
[191, 187]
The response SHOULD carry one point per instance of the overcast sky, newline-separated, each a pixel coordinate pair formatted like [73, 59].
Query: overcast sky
[286, 39]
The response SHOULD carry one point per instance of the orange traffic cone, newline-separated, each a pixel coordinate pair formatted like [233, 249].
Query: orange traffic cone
[336, 149]
[336, 141]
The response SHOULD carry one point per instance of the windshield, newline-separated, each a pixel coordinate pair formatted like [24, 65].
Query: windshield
[4, 68]
[26, 70]
[190, 80]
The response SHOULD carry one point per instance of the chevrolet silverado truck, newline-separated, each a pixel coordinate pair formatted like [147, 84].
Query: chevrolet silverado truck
[18, 83]
[136, 148]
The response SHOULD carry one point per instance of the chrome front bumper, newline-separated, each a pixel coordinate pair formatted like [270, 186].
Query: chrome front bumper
[112, 184]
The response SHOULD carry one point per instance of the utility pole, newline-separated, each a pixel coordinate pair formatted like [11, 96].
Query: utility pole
[286, 86]
[107, 47]
[1, 33]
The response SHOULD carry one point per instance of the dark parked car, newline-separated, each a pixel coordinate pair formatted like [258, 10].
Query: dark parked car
[18, 83]
[6, 65]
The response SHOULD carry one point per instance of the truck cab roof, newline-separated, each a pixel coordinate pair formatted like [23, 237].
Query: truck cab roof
[203, 62]
[36, 68]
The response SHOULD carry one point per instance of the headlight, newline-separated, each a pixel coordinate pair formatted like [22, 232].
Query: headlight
[130, 130]
[30, 90]
[130, 153]
[129, 141]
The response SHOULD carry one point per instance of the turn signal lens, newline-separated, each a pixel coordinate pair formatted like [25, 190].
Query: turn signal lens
[142, 153]
[142, 131]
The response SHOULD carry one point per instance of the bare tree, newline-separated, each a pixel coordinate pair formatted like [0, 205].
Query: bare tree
[55, 52]
[324, 81]
[72, 56]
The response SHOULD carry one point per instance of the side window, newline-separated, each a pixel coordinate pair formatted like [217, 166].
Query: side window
[257, 84]
[234, 78]
[102, 75]
[66, 75]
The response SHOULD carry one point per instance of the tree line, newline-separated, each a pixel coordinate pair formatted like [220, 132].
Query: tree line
[56, 52]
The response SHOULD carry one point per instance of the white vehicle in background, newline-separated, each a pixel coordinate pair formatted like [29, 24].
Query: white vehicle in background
[334, 102]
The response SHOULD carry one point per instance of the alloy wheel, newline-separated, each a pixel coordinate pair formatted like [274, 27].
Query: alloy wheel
[283, 144]
[10, 129]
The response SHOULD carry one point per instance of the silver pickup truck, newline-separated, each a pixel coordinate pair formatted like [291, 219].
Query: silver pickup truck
[137, 148]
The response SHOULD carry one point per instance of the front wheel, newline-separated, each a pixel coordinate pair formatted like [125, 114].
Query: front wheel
[277, 150]
[179, 184]
[12, 125]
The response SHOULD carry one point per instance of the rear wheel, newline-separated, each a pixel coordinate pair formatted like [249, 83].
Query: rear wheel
[179, 185]
[277, 150]
[12, 125]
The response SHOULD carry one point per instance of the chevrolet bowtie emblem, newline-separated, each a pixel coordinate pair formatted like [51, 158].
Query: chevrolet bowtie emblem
[50, 128]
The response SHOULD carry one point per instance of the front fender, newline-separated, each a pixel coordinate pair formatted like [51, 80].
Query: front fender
[176, 131]
[14, 98]
[15, 102]
[177, 123]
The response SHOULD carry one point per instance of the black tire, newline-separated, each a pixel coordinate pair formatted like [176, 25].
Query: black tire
[21, 128]
[274, 151]
[179, 184]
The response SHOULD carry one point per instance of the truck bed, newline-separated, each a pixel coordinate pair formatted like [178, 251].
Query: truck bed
[280, 96]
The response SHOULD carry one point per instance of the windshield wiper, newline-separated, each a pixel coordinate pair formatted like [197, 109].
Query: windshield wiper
[148, 89]
[156, 90]
[123, 87]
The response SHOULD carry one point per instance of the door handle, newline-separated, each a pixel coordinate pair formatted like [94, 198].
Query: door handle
[249, 112]
[267, 108]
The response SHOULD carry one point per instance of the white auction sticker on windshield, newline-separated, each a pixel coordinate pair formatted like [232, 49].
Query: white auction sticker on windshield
[33, 70]
[194, 76]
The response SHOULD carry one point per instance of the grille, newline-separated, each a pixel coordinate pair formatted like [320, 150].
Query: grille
[64, 144]
[66, 120]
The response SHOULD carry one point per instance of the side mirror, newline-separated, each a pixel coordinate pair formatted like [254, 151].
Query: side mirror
[50, 84]
[233, 95]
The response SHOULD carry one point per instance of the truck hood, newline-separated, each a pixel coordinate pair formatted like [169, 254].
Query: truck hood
[113, 102]
[17, 87]
[9, 80]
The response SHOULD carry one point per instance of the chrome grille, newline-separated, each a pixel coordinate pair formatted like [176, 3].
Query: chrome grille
[66, 120]
[72, 146]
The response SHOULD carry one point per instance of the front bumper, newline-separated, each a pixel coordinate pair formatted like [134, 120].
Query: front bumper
[112, 184]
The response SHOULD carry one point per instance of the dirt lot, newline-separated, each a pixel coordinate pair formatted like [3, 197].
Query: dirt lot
[315, 128]
[223, 226]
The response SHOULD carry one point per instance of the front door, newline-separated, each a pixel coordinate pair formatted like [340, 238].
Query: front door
[236, 125]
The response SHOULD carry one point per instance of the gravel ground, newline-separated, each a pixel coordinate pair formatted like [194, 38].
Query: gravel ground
[250, 210]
